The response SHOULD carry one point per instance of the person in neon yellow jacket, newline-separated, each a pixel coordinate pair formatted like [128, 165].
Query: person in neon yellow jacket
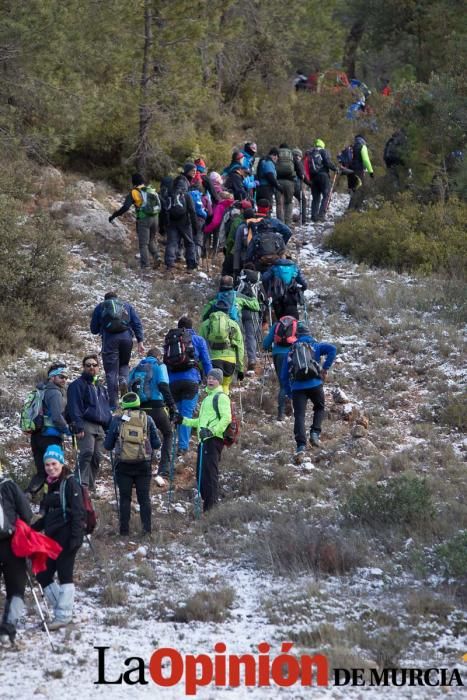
[228, 354]
[361, 163]
[215, 414]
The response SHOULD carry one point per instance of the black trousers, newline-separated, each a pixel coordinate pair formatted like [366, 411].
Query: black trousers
[160, 417]
[207, 470]
[13, 570]
[39, 444]
[299, 400]
[65, 563]
[138, 474]
[320, 186]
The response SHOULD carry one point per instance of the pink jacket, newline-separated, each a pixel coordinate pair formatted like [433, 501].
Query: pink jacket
[219, 210]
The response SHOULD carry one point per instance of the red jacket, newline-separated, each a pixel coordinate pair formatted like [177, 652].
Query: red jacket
[26, 542]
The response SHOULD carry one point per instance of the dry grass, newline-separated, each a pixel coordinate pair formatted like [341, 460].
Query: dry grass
[206, 606]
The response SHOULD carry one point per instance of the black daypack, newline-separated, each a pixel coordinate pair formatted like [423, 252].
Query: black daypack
[179, 351]
[345, 157]
[178, 206]
[267, 244]
[303, 365]
[115, 316]
[7, 526]
[315, 161]
[249, 284]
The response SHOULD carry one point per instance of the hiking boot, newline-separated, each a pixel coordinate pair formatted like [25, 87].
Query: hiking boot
[123, 387]
[314, 438]
[251, 366]
[156, 263]
[160, 481]
[300, 454]
[280, 416]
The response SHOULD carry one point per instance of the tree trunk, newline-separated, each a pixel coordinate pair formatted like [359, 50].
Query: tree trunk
[351, 47]
[143, 146]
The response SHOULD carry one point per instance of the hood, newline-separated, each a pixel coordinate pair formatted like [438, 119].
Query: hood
[360, 140]
[319, 143]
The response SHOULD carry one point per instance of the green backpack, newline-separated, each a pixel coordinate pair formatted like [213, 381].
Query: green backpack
[151, 202]
[218, 335]
[32, 413]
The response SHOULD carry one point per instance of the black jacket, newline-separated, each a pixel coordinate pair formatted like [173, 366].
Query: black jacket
[234, 184]
[14, 502]
[66, 528]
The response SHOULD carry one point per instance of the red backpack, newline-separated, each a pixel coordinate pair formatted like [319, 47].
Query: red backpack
[91, 515]
[285, 331]
[232, 431]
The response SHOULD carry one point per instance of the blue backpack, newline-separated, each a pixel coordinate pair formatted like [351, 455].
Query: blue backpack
[286, 273]
[144, 380]
[197, 201]
[225, 301]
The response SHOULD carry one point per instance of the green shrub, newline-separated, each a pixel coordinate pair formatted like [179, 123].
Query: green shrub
[453, 555]
[454, 412]
[406, 235]
[403, 500]
[206, 606]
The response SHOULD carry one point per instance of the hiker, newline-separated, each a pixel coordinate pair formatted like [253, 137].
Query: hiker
[133, 435]
[149, 379]
[164, 194]
[182, 224]
[287, 171]
[214, 417]
[53, 425]
[395, 155]
[64, 520]
[185, 353]
[89, 412]
[249, 287]
[228, 301]
[303, 377]
[266, 175]
[13, 505]
[266, 238]
[248, 152]
[280, 339]
[147, 204]
[360, 164]
[225, 343]
[284, 285]
[300, 175]
[116, 322]
[317, 166]
[234, 182]
[231, 227]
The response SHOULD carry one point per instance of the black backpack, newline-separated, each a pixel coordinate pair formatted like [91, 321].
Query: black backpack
[7, 527]
[179, 351]
[267, 244]
[115, 316]
[303, 365]
[315, 161]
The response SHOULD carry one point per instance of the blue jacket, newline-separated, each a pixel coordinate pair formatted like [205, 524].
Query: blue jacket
[280, 227]
[198, 202]
[159, 377]
[201, 355]
[268, 343]
[321, 349]
[275, 271]
[267, 166]
[136, 327]
[87, 401]
[247, 161]
[114, 430]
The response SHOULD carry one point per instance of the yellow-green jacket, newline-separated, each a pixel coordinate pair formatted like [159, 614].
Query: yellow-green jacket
[207, 417]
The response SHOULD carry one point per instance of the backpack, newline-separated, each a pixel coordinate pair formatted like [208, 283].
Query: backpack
[303, 363]
[179, 351]
[133, 443]
[7, 527]
[218, 331]
[197, 201]
[177, 205]
[249, 284]
[267, 244]
[287, 273]
[232, 431]
[91, 515]
[140, 381]
[315, 161]
[285, 331]
[151, 204]
[345, 157]
[32, 413]
[115, 316]
[285, 165]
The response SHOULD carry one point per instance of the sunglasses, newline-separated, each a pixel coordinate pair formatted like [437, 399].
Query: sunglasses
[93, 364]
[63, 376]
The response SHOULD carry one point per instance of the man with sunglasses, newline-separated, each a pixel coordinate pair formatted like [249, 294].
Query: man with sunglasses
[54, 426]
[89, 412]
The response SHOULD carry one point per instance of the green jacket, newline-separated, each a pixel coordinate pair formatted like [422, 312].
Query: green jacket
[236, 351]
[366, 159]
[207, 417]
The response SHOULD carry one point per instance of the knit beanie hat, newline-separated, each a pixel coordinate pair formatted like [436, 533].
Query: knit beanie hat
[137, 180]
[217, 374]
[302, 329]
[188, 167]
[319, 143]
[54, 452]
[130, 400]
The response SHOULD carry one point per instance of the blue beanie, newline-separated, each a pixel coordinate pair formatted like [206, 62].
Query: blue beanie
[54, 452]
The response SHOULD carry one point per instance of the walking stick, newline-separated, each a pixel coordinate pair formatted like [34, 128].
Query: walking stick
[270, 311]
[172, 464]
[200, 472]
[328, 199]
[41, 614]
[114, 479]
[241, 407]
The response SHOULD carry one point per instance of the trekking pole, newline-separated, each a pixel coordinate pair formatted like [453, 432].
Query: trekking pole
[263, 378]
[198, 495]
[41, 614]
[172, 464]
[99, 561]
[328, 198]
[269, 309]
[114, 479]
[241, 407]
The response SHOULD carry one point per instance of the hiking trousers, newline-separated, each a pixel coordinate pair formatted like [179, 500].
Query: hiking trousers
[90, 450]
[228, 368]
[284, 206]
[281, 396]
[64, 565]
[178, 231]
[185, 394]
[116, 354]
[266, 192]
[320, 188]
[299, 401]
[207, 470]
[250, 325]
[138, 474]
[13, 570]
[160, 417]
[146, 230]
[39, 444]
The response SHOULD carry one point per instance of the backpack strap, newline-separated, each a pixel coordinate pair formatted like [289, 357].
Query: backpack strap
[63, 484]
[215, 405]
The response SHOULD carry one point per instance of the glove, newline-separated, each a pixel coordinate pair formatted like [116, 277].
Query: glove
[172, 412]
[111, 218]
[205, 434]
[372, 175]
[240, 376]
[177, 419]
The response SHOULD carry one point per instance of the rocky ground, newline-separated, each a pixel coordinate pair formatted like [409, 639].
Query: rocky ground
[355, 553]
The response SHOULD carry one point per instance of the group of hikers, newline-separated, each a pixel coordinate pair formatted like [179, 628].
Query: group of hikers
[152, 404]
[198, 211]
